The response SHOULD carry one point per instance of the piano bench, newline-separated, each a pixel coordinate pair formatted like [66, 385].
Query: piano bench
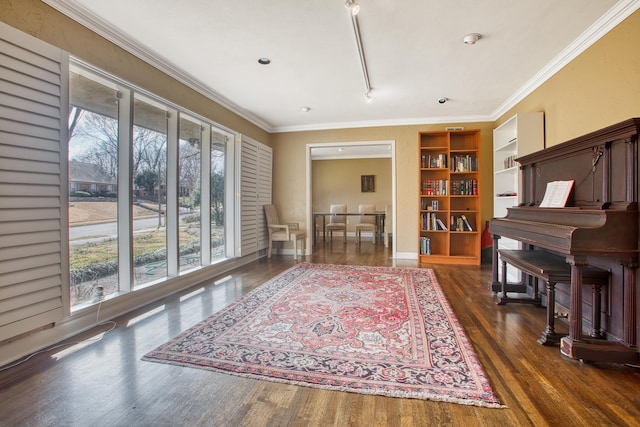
[552, 269]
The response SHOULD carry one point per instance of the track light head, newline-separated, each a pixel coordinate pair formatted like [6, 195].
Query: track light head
[353, 7]
[471, 38]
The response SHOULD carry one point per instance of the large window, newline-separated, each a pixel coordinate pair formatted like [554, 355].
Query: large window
[93, 171]
[149, 173]
[190, 149]
[155, 228]
[219, 142]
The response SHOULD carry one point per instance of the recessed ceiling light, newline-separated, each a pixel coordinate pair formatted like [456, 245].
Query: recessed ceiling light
[264, 61]
[305, 109]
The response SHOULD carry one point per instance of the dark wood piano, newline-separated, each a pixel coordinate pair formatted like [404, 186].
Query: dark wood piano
[598, 227]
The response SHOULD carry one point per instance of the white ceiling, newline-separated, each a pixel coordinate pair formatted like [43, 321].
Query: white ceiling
[413, 49]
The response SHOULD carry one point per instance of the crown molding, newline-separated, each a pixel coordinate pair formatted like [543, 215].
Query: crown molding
[96, 24]
[381, 123]
[597, 30]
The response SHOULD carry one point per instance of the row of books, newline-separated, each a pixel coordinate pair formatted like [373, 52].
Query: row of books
[434, 187]
[463, 163]
[433, 205]
[510, 161]
[458, 163]
[464, 187]
[425, 246]
[430, 221]
[460, 223]
[433, 161]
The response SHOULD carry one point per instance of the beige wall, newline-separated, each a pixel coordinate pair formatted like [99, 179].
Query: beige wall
[338, 182]
[598, 88]
[41, 21]
[289, 171]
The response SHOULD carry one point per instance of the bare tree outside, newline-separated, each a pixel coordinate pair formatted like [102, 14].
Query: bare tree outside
[99, 134]
[190, 169]
[93, 188]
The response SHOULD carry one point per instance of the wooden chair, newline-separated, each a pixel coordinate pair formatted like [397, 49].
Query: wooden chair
[367, 222]
[281, 232]
[388, 224]
[337, 222]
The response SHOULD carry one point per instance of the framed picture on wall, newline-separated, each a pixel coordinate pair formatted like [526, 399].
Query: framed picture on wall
[368, 183]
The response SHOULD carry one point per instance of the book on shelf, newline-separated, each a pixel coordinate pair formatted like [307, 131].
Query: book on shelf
[431, 222]
[510, 161]
[425, 246]
[556, 194]
[466, 223]
[464, 187]
[434, 187]
[463, 163]
[460, 223]
[433, 161]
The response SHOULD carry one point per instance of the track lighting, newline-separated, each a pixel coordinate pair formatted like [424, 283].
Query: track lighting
[471, 38]
[353, 7]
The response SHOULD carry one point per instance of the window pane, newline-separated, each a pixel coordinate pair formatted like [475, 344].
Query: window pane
[93, 161]
[189, 188]
[218, 151]
[149, 190]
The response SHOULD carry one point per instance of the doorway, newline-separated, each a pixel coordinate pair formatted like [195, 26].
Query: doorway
[349, 150]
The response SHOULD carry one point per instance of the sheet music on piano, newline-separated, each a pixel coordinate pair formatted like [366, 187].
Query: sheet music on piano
[556, 194]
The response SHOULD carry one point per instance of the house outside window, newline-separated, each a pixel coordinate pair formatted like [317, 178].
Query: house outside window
[119, 134]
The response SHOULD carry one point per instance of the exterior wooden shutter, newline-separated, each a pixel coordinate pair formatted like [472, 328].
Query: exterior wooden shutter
[33, 177]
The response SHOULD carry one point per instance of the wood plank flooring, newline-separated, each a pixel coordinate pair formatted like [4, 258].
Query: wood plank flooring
[104, 383]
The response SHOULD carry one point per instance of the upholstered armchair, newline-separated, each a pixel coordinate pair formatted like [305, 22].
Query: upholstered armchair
[367, 222]
[337, 222]
[282, 232]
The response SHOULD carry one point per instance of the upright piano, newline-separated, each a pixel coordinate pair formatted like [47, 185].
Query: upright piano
[598, 226]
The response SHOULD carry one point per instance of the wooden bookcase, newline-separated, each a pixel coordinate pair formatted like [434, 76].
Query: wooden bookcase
[449, 193]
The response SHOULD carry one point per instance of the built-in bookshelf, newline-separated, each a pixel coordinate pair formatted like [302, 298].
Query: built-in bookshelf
[449, 218]
[520, 135]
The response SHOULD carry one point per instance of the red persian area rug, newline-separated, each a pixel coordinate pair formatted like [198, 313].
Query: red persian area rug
[374, 330]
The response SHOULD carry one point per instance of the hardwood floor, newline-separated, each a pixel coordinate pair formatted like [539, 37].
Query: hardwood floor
[104, 383]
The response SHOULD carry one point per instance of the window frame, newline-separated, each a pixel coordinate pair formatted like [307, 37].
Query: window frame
[126, 95]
